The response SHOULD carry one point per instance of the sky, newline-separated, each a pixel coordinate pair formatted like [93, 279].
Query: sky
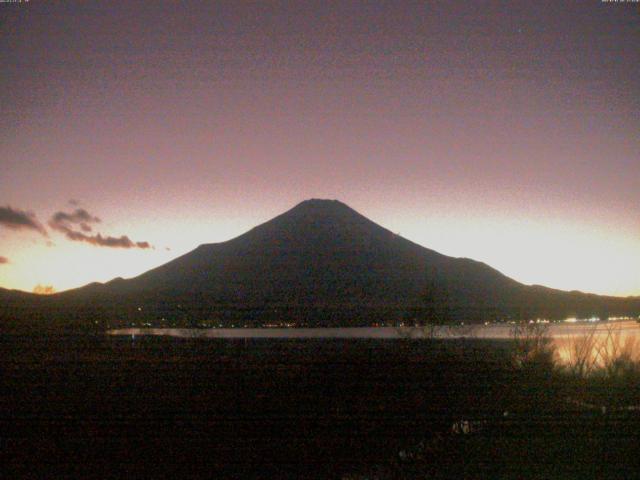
[506, 132]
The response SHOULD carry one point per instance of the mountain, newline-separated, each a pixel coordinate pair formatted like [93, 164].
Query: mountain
[320, 263]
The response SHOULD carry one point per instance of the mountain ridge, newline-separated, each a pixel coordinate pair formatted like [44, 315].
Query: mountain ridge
[320, 263]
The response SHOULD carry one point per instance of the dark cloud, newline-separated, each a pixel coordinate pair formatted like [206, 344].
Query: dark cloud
[100, 241]
[79, 216]
[4, 260]
[20, 220]
[67, 222]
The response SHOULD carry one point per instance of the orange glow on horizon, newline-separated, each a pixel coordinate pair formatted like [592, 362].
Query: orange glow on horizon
[557, 255]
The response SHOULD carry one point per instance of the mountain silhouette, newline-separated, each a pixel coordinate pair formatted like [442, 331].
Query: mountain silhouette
[319, 264]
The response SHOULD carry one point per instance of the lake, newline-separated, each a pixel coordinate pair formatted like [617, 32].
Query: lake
[595, 340]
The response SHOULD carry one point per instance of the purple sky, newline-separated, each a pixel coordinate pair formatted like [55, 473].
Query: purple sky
[504, 132]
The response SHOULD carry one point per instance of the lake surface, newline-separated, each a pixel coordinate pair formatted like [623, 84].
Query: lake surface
[492, 331]
[596, 341]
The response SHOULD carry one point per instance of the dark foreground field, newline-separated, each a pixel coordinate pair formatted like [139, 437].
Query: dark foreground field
[94, 406]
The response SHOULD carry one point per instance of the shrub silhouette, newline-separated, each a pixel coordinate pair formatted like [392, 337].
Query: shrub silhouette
[533, 348]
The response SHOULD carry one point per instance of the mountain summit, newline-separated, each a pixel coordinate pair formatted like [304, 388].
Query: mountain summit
[319, 264]
[321, 254]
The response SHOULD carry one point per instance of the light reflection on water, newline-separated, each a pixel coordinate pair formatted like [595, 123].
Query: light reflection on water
[596, 343]
[599, 345]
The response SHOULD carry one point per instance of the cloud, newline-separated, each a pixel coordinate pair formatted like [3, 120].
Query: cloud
[76, 226]
[100, 241]
[20, 220]
[80, 217]
[3, 260]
